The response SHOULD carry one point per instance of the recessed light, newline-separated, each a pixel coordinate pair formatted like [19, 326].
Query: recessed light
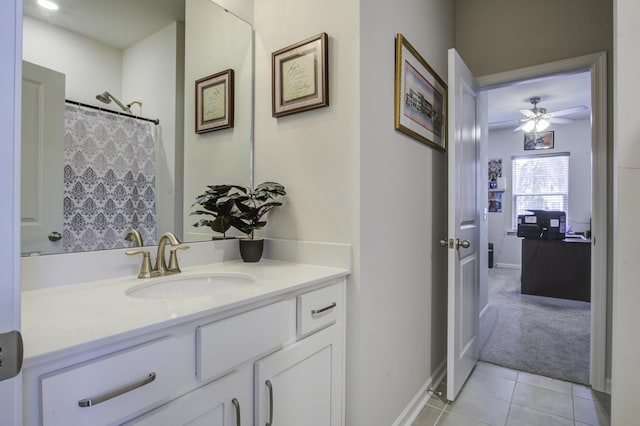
[47, 4]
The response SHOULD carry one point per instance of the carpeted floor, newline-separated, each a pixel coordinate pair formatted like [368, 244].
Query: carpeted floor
[540, 335]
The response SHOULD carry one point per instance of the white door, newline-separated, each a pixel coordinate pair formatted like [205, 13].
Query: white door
[42, 164]
[465, 206]
[10, 63]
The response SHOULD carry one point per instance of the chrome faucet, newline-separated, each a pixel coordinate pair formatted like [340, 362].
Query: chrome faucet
[135, 237]
[160, 268]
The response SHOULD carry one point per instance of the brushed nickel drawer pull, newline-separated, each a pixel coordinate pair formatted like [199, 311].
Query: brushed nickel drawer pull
[236, 404]
[270, 387]
[322, 310]
[89, 402]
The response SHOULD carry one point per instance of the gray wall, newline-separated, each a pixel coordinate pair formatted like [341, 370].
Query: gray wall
[574, 138]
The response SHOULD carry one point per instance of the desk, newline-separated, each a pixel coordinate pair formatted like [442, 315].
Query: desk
[557, 268]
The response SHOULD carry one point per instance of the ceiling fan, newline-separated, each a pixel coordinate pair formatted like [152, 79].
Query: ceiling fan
[538, 119]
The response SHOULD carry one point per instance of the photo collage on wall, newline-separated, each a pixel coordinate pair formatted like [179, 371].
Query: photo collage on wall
[495, 194]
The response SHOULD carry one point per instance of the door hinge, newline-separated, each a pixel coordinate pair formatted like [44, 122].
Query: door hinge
[11, 354]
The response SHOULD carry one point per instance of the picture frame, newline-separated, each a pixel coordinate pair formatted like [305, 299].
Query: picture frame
[540, 140]
[300, 76]
[420, 97]
[214, 102]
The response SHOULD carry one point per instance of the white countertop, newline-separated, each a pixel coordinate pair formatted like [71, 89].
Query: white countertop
[62, 320]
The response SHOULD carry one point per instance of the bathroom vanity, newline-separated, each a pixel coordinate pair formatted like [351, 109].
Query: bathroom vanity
[266, 347]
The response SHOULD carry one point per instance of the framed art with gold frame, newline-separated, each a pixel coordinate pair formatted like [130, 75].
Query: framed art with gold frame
[214, 102]
[420, 97]
[300, 76]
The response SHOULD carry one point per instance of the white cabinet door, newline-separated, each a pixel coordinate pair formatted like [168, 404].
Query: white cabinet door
[227, 401]
[301, 384]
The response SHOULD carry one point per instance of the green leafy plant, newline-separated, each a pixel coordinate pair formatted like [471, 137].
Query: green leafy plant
[253, 205]
[238, 207]
[218, 201]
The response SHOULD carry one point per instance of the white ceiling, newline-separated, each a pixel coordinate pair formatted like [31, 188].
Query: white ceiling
[118, 23]
[122, 23]
[556, 93]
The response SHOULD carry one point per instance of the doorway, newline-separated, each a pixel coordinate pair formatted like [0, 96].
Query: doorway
[595, 66]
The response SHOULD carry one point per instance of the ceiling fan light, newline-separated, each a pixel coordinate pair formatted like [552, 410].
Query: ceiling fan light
[528, 126]
[542, 124]
[47, 4]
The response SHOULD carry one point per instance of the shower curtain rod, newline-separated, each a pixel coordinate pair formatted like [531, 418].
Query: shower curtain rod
[154, 121]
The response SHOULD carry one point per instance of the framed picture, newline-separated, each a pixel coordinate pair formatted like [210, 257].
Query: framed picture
[300, 76]
[420, 97]
[541, 140]
[495, 202]
[214, 102]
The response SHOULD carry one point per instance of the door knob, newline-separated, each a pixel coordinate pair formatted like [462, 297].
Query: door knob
[54, 236]
[444, 242]
[463, 244]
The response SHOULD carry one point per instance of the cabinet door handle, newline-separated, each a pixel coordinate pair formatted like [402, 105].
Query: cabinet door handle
[325, 309]
[88, 402]
[270, 387]
[236, 404]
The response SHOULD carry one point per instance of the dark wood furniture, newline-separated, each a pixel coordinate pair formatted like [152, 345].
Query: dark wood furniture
[557, 268]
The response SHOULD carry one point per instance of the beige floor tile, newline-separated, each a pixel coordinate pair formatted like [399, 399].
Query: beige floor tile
[452, 419]
[582, 391]
[523, 416]
[479, 406]
[491, 385]
[549, 401]
[590, 412]
[427, 416]
[545, 382]
[496, 370]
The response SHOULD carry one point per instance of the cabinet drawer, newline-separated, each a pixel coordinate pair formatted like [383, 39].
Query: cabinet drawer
[104, 390]
[226, 401]
[318, 308]
[225, 344]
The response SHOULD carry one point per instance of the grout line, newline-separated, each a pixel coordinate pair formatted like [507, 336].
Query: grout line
[441, 414]
[513, 393]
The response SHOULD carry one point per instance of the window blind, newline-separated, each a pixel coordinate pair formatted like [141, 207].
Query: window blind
[540, 182]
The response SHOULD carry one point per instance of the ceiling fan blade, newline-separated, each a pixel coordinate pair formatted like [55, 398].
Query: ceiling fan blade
[567, 111]
[528, 113]
[503, 124]
[557, 120]
[520, 126]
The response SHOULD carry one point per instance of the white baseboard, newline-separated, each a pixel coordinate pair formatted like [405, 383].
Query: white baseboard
[483, 311]
[507, 265]
[411, 412]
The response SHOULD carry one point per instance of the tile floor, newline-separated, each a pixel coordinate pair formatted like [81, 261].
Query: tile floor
[496, 395]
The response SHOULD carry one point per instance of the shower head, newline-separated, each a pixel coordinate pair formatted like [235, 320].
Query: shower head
[106, 98]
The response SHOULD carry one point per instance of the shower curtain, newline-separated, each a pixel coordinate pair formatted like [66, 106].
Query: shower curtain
[109, 179]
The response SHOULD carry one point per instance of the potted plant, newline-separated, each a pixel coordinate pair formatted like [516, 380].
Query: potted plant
[251, 206]
[241, 208]
[219, 201]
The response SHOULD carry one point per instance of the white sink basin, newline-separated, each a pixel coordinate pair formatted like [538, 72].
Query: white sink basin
[176, 287]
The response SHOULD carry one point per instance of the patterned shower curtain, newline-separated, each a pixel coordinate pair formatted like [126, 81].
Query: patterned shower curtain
[109, 179]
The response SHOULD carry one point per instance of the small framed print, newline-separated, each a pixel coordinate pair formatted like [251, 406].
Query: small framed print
[214, 102]
[420, 97]
[300, 76]
[540, 140]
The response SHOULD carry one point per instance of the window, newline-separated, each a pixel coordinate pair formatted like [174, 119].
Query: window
[540, 182]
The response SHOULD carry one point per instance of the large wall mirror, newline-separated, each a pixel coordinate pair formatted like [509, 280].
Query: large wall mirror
[91, 173]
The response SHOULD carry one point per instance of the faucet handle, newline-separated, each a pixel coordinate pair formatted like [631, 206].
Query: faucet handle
[145, 268]
[173, 257]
